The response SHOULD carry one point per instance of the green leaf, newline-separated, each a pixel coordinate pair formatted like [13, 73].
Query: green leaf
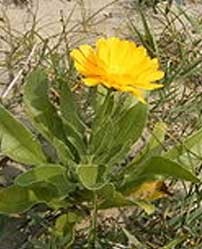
[90, 177]
[44, 192]
[106, 192]
[109, 198]
[44, 115]
[148, 207]
[103, 109]
[69, 109]
[64, 222]
[127, 130]
[157, 136]
[156, 167]
[131, 124]
[17, 142]
[64, 228]
[118, 153]
[39, 174]
[53, 174]
[165, 167]
[16, 199]
[189, 151]
[73, 124]
[101, 140]
[115, 136]
[153, 147]
[75, 138]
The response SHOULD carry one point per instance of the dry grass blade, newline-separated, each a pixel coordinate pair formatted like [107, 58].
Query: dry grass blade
[19, 74]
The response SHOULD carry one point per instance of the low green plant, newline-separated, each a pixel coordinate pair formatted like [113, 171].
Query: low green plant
[75, 169]
[75, 153]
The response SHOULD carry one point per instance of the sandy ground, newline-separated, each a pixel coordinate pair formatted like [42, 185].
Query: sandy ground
[48, 14]
[113, 13]
[110, 17]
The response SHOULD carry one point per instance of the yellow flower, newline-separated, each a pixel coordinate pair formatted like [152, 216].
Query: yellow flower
[118, 64]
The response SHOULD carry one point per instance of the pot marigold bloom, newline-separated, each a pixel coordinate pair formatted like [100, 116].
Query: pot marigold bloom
[118, 64]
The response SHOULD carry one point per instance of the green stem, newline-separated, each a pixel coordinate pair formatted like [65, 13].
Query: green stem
[93, 230]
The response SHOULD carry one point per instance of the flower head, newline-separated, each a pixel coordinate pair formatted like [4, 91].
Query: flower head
[118, 64]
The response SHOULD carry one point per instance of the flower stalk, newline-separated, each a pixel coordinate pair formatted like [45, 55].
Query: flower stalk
[93, 231]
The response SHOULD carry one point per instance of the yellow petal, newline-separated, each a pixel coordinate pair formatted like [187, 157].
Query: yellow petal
[152, 76]
[149, 86]
[91, 81]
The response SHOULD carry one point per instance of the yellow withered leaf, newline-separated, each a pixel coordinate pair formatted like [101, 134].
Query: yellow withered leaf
[150, 191]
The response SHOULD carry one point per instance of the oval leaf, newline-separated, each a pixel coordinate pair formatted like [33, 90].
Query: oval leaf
[39, 174]
[44, 115]
[90, 176]
[16, 199]
[17, 142]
